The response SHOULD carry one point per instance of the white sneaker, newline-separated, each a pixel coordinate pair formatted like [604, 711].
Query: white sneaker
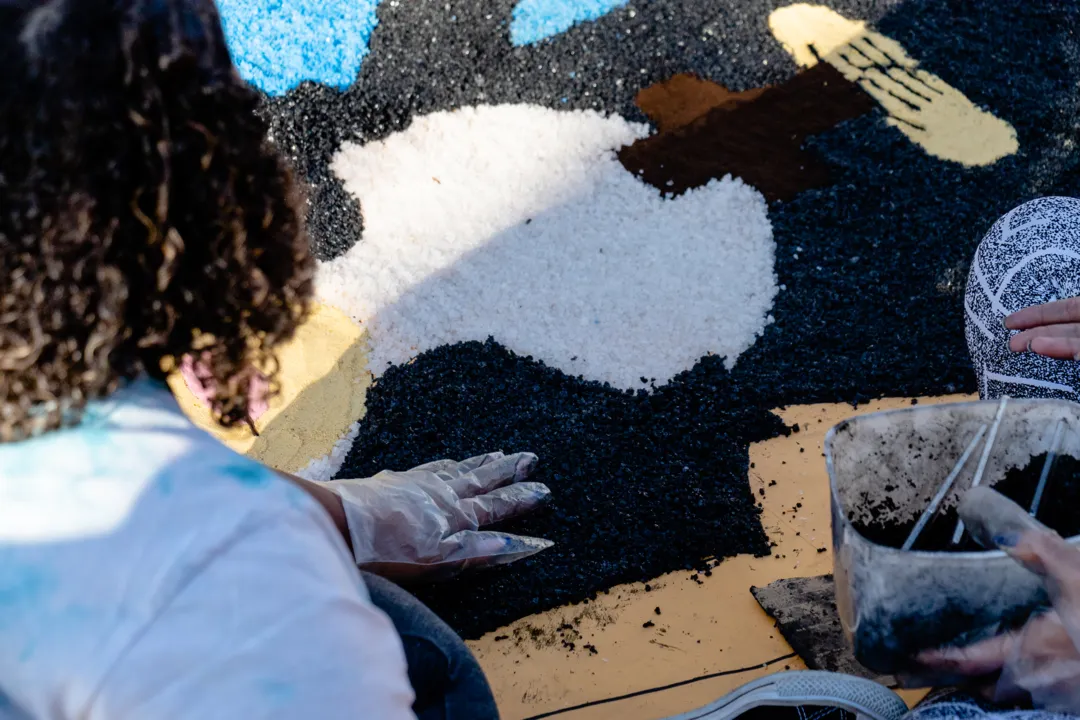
[865, 699]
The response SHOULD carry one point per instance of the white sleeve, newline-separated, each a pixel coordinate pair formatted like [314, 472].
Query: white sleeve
[278, 626]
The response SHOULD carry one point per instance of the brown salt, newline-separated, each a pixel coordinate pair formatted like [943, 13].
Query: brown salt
[756, 137]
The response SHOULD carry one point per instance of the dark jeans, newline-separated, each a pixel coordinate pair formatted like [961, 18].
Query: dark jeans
[446, 678]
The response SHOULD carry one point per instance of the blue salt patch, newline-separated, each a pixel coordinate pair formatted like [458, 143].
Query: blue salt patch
[278, 44]
[536, 20]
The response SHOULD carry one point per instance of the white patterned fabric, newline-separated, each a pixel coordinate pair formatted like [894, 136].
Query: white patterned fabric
[971, 711]
[1030, 256]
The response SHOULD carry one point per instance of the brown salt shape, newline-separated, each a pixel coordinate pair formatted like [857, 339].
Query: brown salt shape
[756, 135]
[683, 98]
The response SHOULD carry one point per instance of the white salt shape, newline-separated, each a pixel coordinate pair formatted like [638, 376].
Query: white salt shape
[518, 222]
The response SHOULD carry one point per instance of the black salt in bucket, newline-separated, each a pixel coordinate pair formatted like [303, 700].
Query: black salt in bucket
[884, 468]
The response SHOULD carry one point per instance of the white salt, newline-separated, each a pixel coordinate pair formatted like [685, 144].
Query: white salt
[519, 222]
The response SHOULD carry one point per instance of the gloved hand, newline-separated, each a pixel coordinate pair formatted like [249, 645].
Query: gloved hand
[1043, 657]
[424, 523]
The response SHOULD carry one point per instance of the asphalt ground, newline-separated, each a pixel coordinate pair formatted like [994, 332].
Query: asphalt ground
[871, 263]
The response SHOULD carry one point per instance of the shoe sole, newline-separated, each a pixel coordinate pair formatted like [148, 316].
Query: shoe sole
[865, 698]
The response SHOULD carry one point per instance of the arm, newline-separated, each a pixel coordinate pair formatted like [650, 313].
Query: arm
[425, 523]
[326, 497]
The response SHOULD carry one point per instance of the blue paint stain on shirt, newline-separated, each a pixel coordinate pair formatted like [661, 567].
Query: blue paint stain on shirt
[278, 44]
[22, 585]
[277, 691]
[248, 473]
[164, 483]
[536, 20]
[24, 590]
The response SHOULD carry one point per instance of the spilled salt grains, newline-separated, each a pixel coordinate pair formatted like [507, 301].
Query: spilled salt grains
[622, 508]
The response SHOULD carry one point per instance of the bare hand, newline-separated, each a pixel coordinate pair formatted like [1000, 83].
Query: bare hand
[1052, 329]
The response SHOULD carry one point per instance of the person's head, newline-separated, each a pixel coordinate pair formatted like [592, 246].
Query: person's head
[143, 213]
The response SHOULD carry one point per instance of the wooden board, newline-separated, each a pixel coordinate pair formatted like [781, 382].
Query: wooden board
[710, 636]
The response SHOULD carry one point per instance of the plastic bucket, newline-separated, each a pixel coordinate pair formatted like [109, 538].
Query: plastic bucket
[885, 467]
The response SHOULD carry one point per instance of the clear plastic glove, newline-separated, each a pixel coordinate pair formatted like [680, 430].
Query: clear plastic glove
[425, 522]
[1042, 658]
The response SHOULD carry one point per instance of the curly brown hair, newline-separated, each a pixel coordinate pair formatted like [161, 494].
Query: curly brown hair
[144, 214]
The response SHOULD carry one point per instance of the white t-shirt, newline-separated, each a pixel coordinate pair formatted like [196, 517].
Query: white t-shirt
[147, 572]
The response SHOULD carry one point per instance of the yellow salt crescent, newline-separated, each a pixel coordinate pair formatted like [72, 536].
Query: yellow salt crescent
[929, 111]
